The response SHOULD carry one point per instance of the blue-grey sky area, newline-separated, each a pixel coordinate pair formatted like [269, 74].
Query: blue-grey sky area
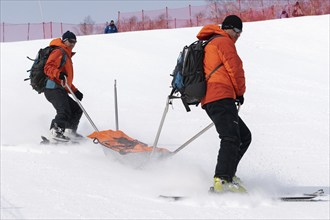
[74, 11]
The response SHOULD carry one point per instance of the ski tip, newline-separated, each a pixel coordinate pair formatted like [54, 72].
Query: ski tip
[44, 140]
[319, 192]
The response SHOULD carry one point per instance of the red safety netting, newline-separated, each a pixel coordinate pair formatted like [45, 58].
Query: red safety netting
[166, 18]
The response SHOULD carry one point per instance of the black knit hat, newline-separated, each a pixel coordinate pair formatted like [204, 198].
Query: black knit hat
[68, 35]
[232, 21]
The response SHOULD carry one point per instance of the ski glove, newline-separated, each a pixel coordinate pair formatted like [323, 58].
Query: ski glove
[79, 95]
[61, 76]
[240, 99]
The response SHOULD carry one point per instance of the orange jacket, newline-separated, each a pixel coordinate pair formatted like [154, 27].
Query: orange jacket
[54, 61]
[229, 80]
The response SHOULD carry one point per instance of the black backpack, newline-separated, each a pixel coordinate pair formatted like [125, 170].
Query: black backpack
[37, 76]
[188, 76]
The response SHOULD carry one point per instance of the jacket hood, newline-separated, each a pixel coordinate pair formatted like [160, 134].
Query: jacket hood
[58, 42]
[209, 30]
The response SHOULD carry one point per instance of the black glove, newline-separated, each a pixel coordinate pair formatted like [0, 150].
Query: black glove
[79, 95]
[240, 99]
[61, 76]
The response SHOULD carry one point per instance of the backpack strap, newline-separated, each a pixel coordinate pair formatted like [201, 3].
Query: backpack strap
[64, 56]
[214, 36]
[185, 104]
[216, 68]
[184, 101]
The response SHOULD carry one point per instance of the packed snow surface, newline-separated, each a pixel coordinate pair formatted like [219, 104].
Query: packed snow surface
[286, 107]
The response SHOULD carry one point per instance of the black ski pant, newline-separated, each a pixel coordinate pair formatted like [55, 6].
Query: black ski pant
[234, 134]
[68, 112]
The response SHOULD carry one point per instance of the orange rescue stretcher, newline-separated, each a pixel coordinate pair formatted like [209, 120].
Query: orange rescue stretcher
[122, 143]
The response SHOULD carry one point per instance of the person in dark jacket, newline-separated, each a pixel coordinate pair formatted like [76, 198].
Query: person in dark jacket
[225, 88]
[68, 113]
[111, 28]
[297, 11]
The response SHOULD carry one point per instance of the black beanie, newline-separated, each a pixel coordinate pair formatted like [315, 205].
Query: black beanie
[68, 35]
[232, 21]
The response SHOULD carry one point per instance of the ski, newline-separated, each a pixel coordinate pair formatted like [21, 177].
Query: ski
[297, 198]
[46, 141]
[304, 197]
[172, 198]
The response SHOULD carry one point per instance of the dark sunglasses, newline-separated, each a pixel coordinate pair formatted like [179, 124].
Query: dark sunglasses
[72, 41]
[237, 31]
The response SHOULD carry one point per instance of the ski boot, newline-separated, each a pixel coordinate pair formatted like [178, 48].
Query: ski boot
[73, 135]
[222, 186]
[57, 134]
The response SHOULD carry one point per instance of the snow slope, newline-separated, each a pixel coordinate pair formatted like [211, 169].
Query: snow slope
[286, 107]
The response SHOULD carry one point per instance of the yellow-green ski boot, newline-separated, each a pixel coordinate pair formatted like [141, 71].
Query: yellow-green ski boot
[221, 186]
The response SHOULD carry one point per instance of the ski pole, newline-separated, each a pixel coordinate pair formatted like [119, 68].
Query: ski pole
[116, 106]
[199, 134]
[160, 126]
[193, 138]
[80, 105]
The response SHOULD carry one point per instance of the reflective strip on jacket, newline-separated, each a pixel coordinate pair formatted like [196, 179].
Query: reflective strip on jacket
[229, 80]
[54, 61]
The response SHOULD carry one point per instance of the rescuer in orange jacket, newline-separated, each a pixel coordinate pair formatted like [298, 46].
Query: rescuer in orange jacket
[59, 68]
[225, 87]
